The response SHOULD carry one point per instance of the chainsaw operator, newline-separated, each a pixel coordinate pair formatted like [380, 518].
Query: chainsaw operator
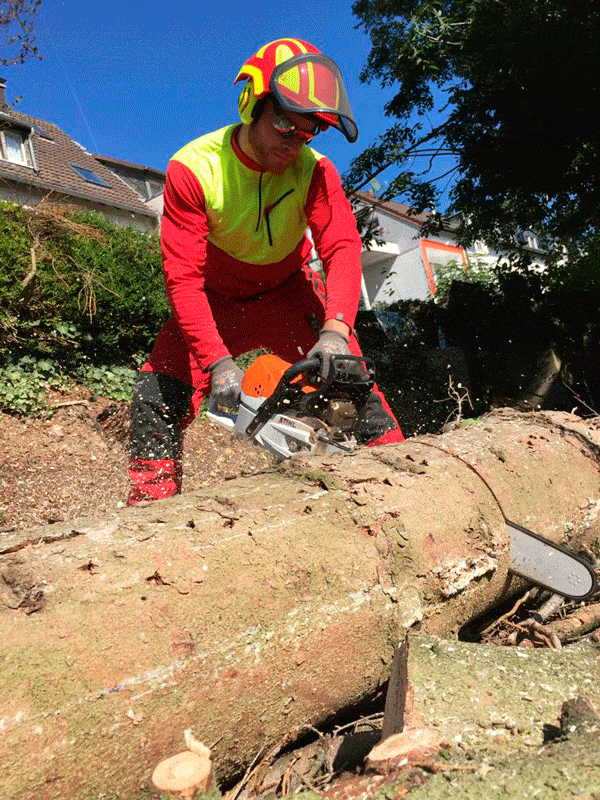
[237, 206]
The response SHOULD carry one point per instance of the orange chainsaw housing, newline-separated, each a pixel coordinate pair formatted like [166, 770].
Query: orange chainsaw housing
[263, 375]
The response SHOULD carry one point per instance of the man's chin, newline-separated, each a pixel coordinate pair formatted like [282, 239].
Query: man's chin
[278, 169]
[278, 165]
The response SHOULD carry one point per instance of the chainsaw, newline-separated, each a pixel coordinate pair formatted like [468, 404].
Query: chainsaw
[286, 409]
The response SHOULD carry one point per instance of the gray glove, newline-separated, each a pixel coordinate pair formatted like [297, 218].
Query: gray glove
[225, 386]
[331, 343]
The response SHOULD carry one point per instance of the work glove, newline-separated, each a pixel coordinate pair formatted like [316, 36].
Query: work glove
[225, 386]
[331, 343]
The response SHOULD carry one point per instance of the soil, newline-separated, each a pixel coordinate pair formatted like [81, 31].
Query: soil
[73, 462]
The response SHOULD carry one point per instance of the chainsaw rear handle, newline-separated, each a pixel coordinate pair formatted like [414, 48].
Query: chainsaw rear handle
[224, 418]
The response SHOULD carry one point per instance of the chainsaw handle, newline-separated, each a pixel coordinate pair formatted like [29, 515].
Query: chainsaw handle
[288, 390]
[308, 365]
[313, 365]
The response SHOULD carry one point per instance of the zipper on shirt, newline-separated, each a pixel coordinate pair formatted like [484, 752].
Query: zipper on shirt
[268, 209]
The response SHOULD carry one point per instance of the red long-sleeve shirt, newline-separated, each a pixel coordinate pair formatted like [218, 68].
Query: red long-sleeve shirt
[215, 195]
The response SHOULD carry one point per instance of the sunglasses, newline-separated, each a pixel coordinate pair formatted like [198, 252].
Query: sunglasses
[286, 128]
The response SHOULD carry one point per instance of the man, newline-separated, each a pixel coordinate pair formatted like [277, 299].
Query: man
[237, 204]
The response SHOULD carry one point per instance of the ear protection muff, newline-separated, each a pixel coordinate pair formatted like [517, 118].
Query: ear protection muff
[247, 103]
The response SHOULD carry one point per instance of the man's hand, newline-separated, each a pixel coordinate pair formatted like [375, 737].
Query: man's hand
[225, 386]
[331, 343]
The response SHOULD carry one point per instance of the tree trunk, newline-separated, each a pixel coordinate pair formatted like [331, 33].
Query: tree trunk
[548, 370]
[269, 604]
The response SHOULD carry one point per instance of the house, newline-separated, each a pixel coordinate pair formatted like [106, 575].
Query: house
[148, 183]
[40, 162]
[405, 264]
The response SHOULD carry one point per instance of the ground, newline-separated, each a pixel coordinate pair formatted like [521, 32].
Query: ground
[73, 463]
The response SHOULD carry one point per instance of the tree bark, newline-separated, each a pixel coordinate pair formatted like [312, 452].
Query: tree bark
[548, 370]
[270, 604]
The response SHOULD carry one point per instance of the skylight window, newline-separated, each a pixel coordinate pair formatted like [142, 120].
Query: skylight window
[43, 134]
[89, 176]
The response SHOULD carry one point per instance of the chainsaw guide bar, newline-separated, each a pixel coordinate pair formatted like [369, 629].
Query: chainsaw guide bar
[550, 565]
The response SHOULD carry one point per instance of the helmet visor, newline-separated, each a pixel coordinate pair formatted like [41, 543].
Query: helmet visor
[311, 83]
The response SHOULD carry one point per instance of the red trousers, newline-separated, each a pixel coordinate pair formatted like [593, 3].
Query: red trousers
[171, 386]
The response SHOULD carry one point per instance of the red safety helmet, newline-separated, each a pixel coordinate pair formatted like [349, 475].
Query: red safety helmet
[302, 79]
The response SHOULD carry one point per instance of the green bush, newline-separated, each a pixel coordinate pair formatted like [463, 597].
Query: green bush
[478, 272]
[91, 291]
[417, 394]
[25, 384]
[80, 299]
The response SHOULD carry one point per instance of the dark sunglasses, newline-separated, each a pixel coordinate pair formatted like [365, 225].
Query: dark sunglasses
[286, 128]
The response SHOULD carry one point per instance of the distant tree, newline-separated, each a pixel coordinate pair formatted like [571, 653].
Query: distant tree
[516, 84]
[17, 30]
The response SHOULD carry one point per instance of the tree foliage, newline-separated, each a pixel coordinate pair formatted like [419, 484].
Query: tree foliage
[17, 30]
[517, 83]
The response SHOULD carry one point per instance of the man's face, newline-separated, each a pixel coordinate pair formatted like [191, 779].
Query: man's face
[274, 151]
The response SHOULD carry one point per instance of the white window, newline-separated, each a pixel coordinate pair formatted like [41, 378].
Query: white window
[13, 148]
[531, 241]
[436, 256]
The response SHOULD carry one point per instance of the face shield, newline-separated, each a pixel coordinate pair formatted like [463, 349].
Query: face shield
[311, 83]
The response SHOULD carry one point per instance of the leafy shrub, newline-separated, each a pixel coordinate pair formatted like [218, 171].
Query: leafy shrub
[398, 341]
[24, 385]
[89, 289]
[113, 382]
[478, 272]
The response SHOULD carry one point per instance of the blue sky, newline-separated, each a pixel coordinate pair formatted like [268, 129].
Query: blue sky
[136, 80]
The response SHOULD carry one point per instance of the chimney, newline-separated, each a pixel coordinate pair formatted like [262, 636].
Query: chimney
[2, 93]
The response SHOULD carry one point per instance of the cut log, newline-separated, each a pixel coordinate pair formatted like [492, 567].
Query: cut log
[183, 773]
[268, 605]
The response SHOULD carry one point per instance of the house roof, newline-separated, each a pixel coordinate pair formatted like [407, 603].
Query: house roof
[151, 172]
[54, 152]
[399, 210]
